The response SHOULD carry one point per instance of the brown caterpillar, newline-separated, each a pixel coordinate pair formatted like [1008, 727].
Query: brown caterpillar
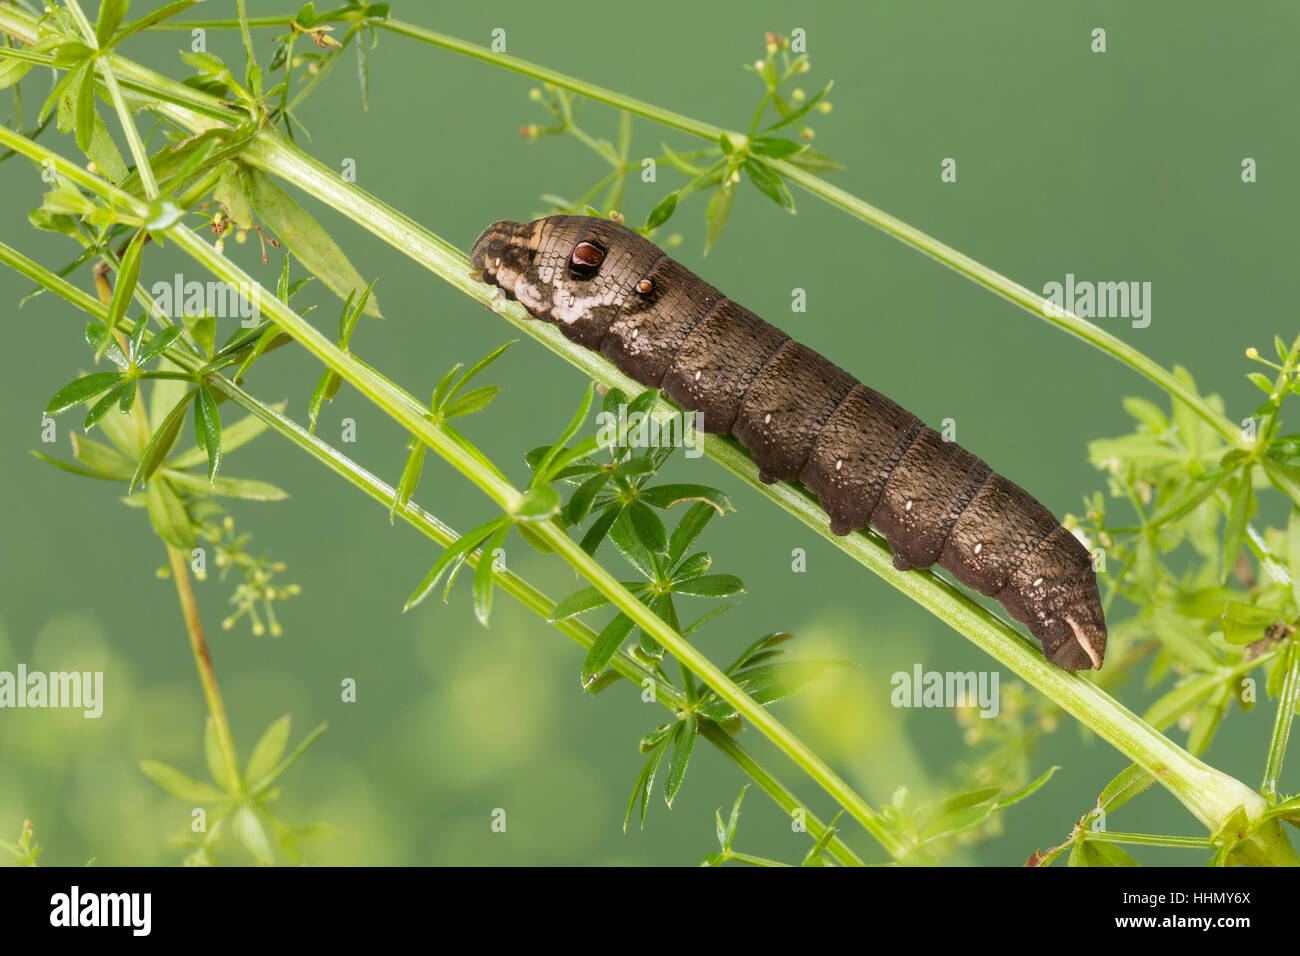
[868, 460]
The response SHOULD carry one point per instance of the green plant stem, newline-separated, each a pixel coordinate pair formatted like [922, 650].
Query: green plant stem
[1286, 704]
[1208, 793]
[203, 660]
[782, 796]
[119, 105]
[1150, 839]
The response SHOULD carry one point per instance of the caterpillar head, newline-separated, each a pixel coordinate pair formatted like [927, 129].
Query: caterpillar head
[579, 272]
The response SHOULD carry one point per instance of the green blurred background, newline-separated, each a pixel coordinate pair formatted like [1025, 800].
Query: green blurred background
[1116, 166]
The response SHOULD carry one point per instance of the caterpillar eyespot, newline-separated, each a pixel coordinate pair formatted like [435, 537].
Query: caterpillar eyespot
[803, 418]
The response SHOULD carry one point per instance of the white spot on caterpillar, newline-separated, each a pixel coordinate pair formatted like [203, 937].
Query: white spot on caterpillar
[697, 376]
[635, 333]
[1084, 643]
[1037, 581]
[767, 419]
[839, 464]
[908, 506]
[979, 547]
[498, 265]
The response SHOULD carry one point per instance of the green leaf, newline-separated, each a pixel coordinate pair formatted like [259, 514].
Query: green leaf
[1026, 791]
[665, 496]
[127, 276]
[798, 114]
[168, 515]
[476, 368]
[769, 683]
[769, 184]
[484, 573]
[711, 585]
[101, 407]
[542, 475]
[410, 476]
[683, 744]
[11, 71]
[718, 210]
[96, 334]
[693, 567]
[645, 782]
[85, 107]
[270, 748]
[815, 161]
[251, 834]
[1102, 853]
[104, 152]
[606, 645]
[661, 213]
[537, 504]
[649, 529]
[585, 496]
[80, 390]
[1285, 478]
[232, 436]
[164, 437]
[207, 429]
[600, 528]
[1235, 530]
[233, 192]
[150, 19]
[627, 540]
[472, 401]
[111, 13]
[725, 144]
[310, 244]
[462, 546]
[1244, 623]
[729, 835]
[774, 146]
[579, 602]
[181, 785]
[246, 488]
[688, 530]
[162, 214]
[327, 387]
[108, 462]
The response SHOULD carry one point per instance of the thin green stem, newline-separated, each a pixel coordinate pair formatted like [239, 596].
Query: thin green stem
[247, 38]
[1150, 839]
[1286, 704]
[203, 660]
[133, 141]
